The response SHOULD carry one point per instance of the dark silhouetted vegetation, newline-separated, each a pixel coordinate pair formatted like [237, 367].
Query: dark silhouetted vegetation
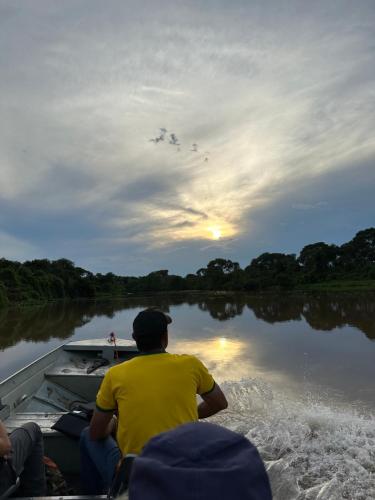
[318, 265]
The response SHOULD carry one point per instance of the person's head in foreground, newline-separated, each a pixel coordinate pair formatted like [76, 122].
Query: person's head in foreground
[150, 330]
[199, 460]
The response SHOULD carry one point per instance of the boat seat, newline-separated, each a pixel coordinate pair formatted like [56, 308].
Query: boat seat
[66, 371]
[45, 421]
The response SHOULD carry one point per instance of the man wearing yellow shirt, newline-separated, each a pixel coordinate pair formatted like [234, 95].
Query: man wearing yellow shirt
[151, 393]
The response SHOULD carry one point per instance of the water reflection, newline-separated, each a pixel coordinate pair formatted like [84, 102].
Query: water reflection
[323, 312]
[236, 336]
[223, 308]
[228, 358]
[40, 324]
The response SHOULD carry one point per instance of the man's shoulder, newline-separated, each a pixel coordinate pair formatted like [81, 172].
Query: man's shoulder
[140, 362]
[185, 358]
[119, 369]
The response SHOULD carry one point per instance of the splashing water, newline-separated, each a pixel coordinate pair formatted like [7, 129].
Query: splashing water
[312, 450]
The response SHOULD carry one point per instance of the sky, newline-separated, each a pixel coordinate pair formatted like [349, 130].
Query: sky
[145, 135]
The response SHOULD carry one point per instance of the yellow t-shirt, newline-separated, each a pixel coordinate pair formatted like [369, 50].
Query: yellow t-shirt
[152, 393]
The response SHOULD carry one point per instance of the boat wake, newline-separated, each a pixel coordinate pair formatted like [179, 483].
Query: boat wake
[312, 450]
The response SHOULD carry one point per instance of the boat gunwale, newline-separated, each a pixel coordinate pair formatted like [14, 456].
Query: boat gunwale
[76, 348]
[3, 382]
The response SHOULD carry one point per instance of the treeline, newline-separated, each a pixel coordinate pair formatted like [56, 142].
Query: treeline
[44, 280]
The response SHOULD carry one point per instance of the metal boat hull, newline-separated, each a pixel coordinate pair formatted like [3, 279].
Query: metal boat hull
[50, 386]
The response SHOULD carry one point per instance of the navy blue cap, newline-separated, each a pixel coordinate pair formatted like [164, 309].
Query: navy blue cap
[149, 322]
[199, 461]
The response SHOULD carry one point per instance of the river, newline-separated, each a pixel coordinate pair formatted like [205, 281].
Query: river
[298, 370]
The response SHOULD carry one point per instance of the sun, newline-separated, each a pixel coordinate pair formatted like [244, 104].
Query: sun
[215, 232]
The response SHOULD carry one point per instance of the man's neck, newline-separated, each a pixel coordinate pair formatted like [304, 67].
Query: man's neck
[159, 350]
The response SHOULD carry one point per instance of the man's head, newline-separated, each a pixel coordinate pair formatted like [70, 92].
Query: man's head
[150, 329]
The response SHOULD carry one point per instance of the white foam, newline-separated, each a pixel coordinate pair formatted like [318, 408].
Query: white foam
[313, 449]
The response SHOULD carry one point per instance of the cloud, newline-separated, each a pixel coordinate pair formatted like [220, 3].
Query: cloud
[148, 187]
[281, 96]
[15, 249]
[280, 227]
[310, 206]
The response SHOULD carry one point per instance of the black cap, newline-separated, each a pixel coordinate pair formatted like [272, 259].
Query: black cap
[149, 322]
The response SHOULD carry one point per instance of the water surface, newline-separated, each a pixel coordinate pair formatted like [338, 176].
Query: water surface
[297, 341]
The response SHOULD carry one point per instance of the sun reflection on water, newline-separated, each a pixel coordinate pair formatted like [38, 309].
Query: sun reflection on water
[223, 341]
[226, 358]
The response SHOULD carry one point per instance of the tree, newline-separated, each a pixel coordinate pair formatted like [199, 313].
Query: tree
[272, 269]
[218, 273]
[3, 296]
[357, 257]
[318, 261]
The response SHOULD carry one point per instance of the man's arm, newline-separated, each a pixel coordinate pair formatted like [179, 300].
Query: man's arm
[103, 424]
[5, 444]
[213, 402]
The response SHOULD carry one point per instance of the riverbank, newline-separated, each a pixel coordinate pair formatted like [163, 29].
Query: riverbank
[326, 286]
[319, 267]
[339, 286]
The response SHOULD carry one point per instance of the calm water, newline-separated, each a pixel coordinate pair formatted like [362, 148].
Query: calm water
[298, 370]
[297, 341]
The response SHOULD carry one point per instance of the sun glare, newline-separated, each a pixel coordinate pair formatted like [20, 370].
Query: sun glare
[222, 341]
[191, 229]
[215, 232]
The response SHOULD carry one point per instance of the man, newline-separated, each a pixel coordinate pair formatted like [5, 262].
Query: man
[21, 455]
[152, 393]
[199, 460]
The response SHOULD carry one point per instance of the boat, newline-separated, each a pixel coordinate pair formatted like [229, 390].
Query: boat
[55, 384]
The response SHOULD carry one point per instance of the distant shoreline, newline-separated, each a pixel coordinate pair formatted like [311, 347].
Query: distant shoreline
[319, 267]
[327, 286]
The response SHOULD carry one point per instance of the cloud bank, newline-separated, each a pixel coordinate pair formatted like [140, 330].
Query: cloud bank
[272, 107]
